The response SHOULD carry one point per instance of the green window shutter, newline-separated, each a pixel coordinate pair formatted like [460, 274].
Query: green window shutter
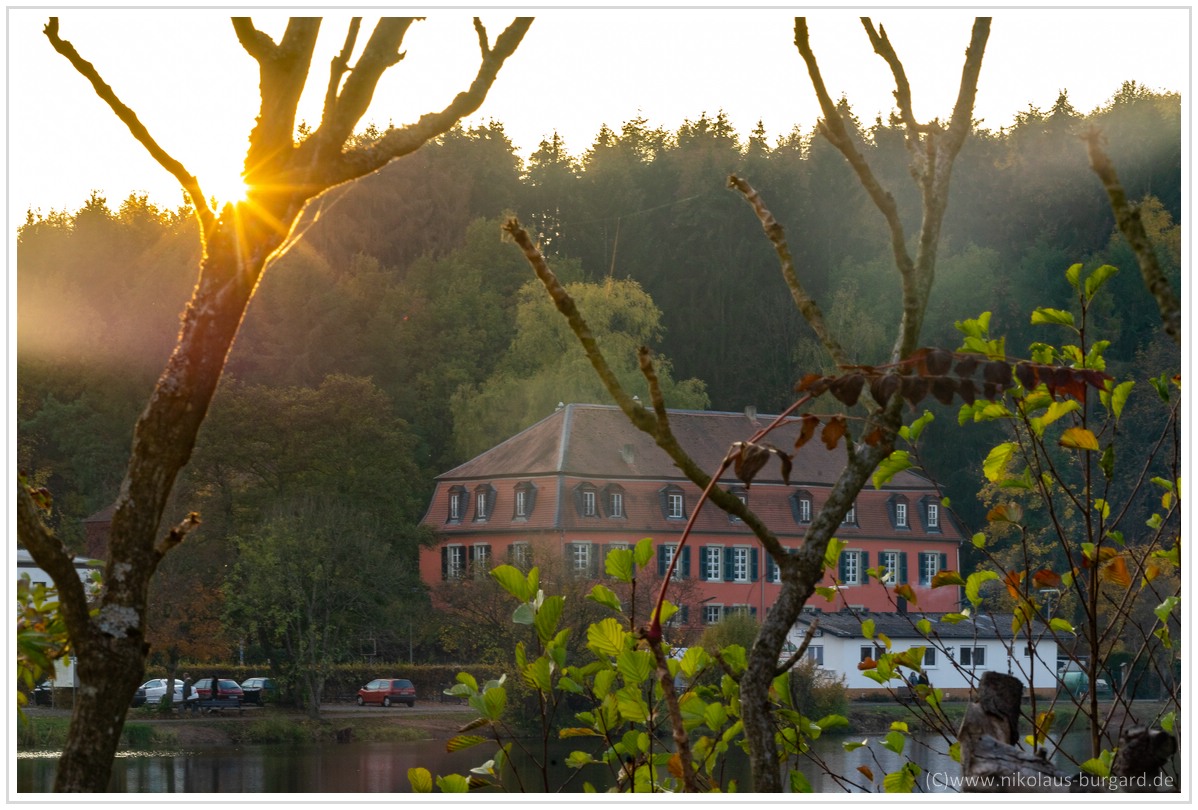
[595, 564]
[684, 565]
[943, 562]
[703, 552]
[661, 561]
[842, 566]
[444, 562]
[753, 565]
[902, 572]
[728, 564]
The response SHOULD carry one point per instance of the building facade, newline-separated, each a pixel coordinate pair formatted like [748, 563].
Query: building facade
[584, 480]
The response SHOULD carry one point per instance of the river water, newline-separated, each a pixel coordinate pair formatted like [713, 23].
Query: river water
[382, 767]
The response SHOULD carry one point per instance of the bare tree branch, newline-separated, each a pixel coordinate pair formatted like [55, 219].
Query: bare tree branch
[339, 67]
[401, 141]
[1127, 217]
[130, 119]
[52, 557]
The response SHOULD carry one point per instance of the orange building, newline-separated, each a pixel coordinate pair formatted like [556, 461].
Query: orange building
[584, 480]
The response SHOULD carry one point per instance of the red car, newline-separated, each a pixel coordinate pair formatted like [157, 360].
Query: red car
[387, 691]
[225, 689]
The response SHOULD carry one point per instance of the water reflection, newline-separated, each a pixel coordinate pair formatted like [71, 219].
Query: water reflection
[382, 767]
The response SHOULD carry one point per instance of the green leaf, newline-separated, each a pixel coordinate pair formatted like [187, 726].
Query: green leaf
[635, 666]
[974, 584]
[694, 660]
[467, 679]
[494, 702]
[715, 716]
[1078, 438]
[995, 465]
[902, 780]
[632, 705]
[1099, 766]
[524, 614]
[618, 565]
[453, 783]
[1073, 274]
[548, 617]
[1046, 315]
[853, 746]
[894, 741]
[606, 637]
[512, 580]
[463, 741]
[538, 674]
[1168, 720]
[891, 466]
[832, 721]
[954, 752]
[643, 552]
[1107, 462]
[577, 759]
[605, 595]
[1098, 278]
[1061, 625]
[899, 725]
[867, 628]
[1165, 609]
[924, 627]
[979, 540]
[832, 553]
[603, 682]
[1055, 411]
[421, 780]
[799, 783]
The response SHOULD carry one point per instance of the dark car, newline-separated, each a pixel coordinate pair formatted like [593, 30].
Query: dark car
[259, 690]
[387, 691]
[43, 694]
[226, 689]
[139, 697]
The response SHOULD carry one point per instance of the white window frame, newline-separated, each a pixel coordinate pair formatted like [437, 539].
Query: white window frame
[480, 559]
[588, 503]
[852, 568]
[521, 503]
[933, 516]
[929, 567]
[891, 570]
[676, 505]
[850, 516]
[972, 653]
[873, 651]
[900, 515]
[713, 555]
[929, 657]
[815, 653]
[616, 503]
[775, 569]
[480, 505]
[740, 564]
[712, 614]
[804, 510]
[580, 558]
[455, 561]
[522, 553]
[455, 506]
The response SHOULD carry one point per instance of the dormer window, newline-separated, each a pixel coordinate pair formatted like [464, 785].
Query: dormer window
[613, 501]
[484, 501]
[800, 506]
[933, 515]
[586, 500]
[900, 515]
[673, 503]
[524, 499]
[929, 507]
[457, 504]
[743, 497]
[850, 517]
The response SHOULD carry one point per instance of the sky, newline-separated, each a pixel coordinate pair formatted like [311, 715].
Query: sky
[195, 88]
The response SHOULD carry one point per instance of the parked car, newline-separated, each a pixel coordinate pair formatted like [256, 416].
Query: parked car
[387, 691]
[43, 694]
[259, 690]
[139, 697]
[225, 689]
[154, 691]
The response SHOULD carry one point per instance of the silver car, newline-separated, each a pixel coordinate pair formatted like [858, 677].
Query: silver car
[155, 690]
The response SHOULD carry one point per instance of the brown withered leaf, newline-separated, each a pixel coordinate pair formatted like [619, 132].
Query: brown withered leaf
[750, 458]
[866, 772]
[968, 391]
[810, 423]
[883, 388]
[1013, 580]
[1115, 571]
[1028, 375]
[1046, 579]
[847, 389]
[914, 389]
[868, 663]
[967, 365]
[997, 372]
[833, 431]
[944, 389]
[907, 592]
[814, 384]
[874, 437]
[939, 362]
[675, 766]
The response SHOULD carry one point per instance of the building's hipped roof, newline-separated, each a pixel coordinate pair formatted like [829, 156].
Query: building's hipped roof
[845, 624]
[598, 441]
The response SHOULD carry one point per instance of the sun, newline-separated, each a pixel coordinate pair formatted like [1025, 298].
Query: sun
[226, 186]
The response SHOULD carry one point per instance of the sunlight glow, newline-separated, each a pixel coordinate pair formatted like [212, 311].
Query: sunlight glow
[225, 186]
